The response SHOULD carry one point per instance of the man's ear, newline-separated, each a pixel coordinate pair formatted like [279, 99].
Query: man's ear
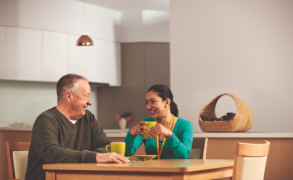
[68, 96]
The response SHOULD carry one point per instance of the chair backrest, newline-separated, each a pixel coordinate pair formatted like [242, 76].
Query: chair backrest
[199, 148]
[250, 161]
[17, 155]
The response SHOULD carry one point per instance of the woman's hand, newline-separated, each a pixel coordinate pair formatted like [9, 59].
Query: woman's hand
[138, 129]
[159, 129]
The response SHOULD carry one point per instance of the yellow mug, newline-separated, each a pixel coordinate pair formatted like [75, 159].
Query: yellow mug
[117, 147]
[150, 125]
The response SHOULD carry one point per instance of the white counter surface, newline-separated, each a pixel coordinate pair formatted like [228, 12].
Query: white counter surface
[116, 133]
[122, 133]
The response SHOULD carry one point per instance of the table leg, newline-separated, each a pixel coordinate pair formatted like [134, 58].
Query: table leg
[50, 175]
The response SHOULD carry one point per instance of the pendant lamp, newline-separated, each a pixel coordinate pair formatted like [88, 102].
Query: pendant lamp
[84, 40]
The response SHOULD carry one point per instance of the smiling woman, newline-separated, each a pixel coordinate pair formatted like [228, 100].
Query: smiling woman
[171, 137]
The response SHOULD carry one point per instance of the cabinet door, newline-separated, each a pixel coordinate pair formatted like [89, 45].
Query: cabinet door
[33, 55]
[99, 63]
[110, 61]
[54, 56]
[23, 54]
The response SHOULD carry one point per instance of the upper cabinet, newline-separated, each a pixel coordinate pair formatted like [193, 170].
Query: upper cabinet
[41, 45]
[23, 54]
[33, 55]
[37, 39]
[54, 56]
[99, 63]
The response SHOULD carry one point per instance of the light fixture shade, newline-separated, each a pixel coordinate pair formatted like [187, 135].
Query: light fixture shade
[84, 40]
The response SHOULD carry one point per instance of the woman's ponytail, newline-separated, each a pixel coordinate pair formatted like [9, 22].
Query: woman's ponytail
[174, 109]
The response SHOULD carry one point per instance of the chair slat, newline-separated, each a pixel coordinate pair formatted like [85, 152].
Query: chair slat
[14, 146]
[199, 145]
[250, 153]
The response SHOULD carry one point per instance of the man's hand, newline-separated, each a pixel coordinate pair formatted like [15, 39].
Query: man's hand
[111, 157]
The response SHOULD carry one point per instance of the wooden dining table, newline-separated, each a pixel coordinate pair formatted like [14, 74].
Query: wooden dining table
[161, 169]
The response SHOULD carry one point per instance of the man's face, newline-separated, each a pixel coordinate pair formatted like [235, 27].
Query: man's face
[80, 99]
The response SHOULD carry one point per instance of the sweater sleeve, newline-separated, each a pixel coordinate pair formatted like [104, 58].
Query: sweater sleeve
[46, 146]
[132, 143]
[181, 143]
[99, 138]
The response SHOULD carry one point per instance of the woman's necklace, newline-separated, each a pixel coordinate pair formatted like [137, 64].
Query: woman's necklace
[159, 151]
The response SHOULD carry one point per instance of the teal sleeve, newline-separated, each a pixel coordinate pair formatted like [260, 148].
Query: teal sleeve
[182, 143]
[132, 143]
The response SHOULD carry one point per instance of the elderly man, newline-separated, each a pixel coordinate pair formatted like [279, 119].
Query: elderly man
[68, 133]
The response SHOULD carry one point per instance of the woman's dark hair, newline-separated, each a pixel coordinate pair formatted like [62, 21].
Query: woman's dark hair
[164, 92]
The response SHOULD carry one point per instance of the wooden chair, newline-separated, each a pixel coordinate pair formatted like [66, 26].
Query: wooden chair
[199, 148]
[250, 161]
[17, 155]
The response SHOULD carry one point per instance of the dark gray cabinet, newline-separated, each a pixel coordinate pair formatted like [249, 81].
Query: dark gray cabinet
[142, 64]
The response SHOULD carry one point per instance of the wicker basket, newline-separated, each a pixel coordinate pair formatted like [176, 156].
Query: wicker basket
[241, 122]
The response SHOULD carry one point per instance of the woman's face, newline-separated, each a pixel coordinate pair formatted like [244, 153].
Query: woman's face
[155, 104]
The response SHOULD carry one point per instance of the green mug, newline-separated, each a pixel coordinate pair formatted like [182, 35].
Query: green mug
[150, 125]
[117, 147]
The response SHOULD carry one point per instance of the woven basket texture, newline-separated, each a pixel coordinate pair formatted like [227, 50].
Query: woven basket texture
[241, 122]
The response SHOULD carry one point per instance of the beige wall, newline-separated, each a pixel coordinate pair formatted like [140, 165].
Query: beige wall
[240, 47]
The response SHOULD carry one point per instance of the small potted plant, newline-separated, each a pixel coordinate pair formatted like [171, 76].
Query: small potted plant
[123, 118]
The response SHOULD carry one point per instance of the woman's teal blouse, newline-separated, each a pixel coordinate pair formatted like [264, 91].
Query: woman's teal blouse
[178, 146]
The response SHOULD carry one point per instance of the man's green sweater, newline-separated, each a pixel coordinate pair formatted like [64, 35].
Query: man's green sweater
[57, 140]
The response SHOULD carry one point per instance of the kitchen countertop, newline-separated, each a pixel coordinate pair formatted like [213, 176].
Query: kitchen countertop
[122, 133]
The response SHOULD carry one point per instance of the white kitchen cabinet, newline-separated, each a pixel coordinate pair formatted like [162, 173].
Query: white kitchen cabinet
[99, 63]
[37, 41]
[23, 54]
[33, 55]
[55, 52]
[109, 62]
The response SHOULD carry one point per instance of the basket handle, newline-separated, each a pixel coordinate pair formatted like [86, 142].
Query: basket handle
[212, 104]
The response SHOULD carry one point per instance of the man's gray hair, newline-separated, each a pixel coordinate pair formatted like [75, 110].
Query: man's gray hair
[65, 83]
